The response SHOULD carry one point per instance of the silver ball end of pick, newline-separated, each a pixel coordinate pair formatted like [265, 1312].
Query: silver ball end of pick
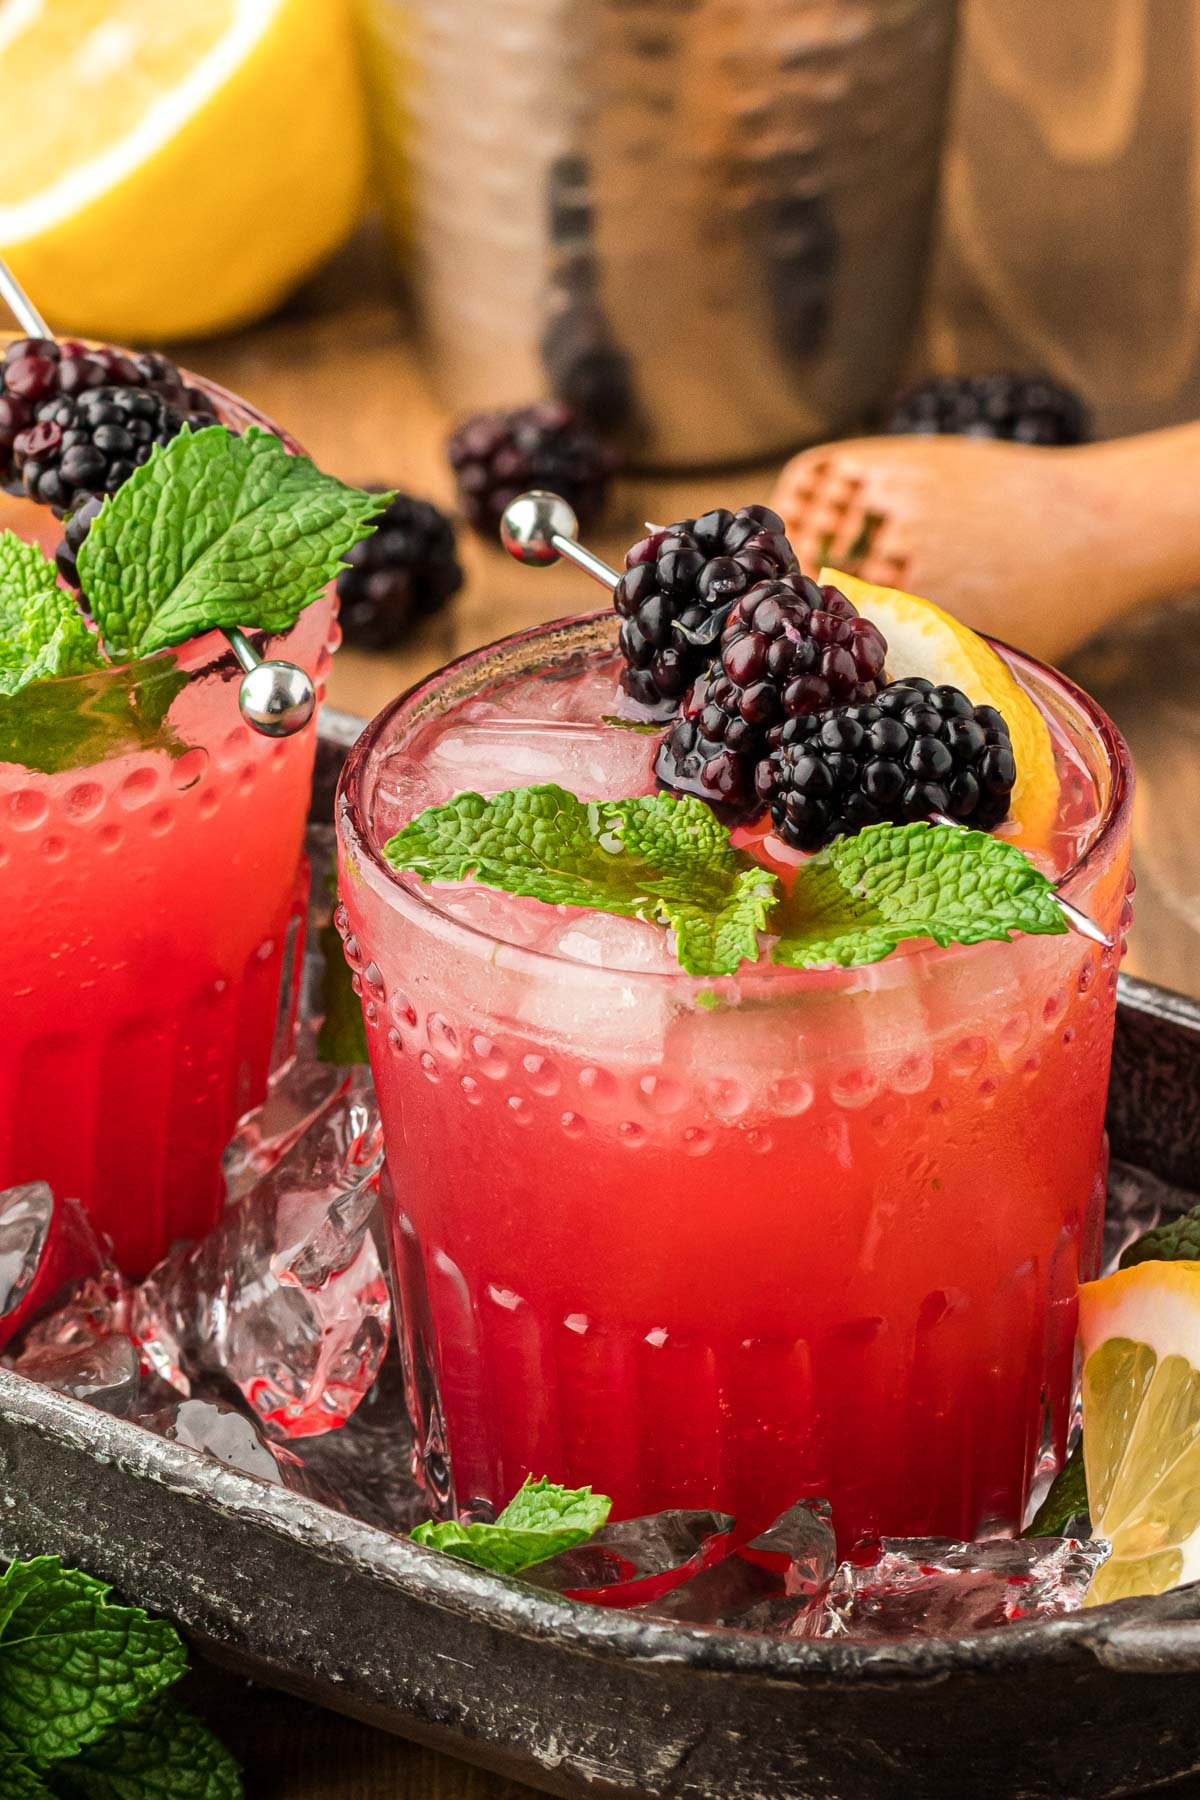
[529, 523]
[277, 698]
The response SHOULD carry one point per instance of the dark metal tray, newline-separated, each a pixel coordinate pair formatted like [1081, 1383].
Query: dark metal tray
[579, 1700]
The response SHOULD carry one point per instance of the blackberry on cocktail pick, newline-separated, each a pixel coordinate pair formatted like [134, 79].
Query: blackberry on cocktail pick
[89, 443]
[38, 369]
[1027, 409]
[678, 586]
[498, 455]
[405, 571]
[914, 751]
[789, 649]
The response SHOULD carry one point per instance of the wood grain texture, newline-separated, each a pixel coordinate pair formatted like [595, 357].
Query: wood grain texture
[1070, 228]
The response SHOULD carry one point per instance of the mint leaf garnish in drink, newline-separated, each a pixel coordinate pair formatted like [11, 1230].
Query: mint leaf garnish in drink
[860, 897]
[669, 860]
[42, 631]
[658, 858]
[216, 531]
[1178, 1240]
[71, 1663]
[541, 1520]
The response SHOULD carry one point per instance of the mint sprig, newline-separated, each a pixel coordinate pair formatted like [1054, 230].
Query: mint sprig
[42, 631]
[1175, 1240]
[856, 900]
[658, 858]
[670, 861]
[541, 1520]
[216, 531]
[84, 1713]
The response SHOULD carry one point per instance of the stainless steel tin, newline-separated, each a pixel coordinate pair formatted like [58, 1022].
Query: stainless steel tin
[705, 220]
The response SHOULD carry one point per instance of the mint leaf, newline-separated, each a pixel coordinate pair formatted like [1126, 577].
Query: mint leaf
[216, 531]
[854, 901]
[71, 1663]
[1178, 1240]
[19, 1778]
[54, 725]
[659, 858]
[1066, 1501]
[42, 631]
[161, 1752]
[541, 1520]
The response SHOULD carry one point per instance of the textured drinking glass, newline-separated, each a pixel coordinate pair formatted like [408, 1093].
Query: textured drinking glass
[147, 892]
[726, 1242]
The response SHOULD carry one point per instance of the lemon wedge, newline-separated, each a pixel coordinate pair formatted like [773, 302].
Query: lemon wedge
[173, 169]
[923, 640]
[1140, 1331]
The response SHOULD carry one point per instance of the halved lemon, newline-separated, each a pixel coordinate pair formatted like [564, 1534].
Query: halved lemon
[923, 640]
[170, 168]
[1140, 1331]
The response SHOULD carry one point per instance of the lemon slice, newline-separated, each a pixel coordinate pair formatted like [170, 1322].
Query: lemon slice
[1140, 1331]
[923, 640]
[170, 168]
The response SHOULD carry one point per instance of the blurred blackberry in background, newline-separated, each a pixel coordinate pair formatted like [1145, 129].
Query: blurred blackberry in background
[914, 750]
[1025, 409]
[789, 648]
[404, 572]
[498, 455]
[36, 370]
[683, 579]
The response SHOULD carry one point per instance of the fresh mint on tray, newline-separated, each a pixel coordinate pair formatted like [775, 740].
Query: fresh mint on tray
[670, 861]
[84, 1708]
[541, 1520]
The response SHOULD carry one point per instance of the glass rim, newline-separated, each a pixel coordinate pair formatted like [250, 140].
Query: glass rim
[349, 823]
[199, 655]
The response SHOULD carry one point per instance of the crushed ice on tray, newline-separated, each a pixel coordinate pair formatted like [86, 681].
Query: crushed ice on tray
[286, 1297]
[935, 1587]
[631, 1562]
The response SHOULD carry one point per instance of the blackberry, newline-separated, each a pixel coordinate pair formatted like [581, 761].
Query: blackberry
[789, 649]
[89, 443]
[498, 455]
[914, 750]
[406, 570]
[35, 370]
[684, 579]
[1027, 409]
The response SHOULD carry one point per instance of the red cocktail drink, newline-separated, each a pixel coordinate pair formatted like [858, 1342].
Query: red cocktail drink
[147, 887]
[726, 1241]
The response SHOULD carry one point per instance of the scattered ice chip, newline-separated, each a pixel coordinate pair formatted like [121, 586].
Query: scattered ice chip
[286, 1297]
[47, 1247]
[775, 1584]
[216, 1429]
[104, 1371]
[636, 1561]
[935, 1587]
[298, 1094]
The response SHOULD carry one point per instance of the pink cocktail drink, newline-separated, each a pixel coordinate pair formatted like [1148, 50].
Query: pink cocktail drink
[726, 1241]
[148, 887]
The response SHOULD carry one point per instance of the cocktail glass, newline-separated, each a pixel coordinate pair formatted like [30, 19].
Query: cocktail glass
[147, 890]
[726, 1242]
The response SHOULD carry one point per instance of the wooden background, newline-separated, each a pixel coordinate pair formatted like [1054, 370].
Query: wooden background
[1070, 242]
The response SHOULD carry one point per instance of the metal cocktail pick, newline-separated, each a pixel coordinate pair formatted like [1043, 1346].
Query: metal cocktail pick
[537, 528]
[276, 698]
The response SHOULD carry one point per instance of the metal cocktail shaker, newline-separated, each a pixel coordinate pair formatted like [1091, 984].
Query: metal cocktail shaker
[705, 221]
